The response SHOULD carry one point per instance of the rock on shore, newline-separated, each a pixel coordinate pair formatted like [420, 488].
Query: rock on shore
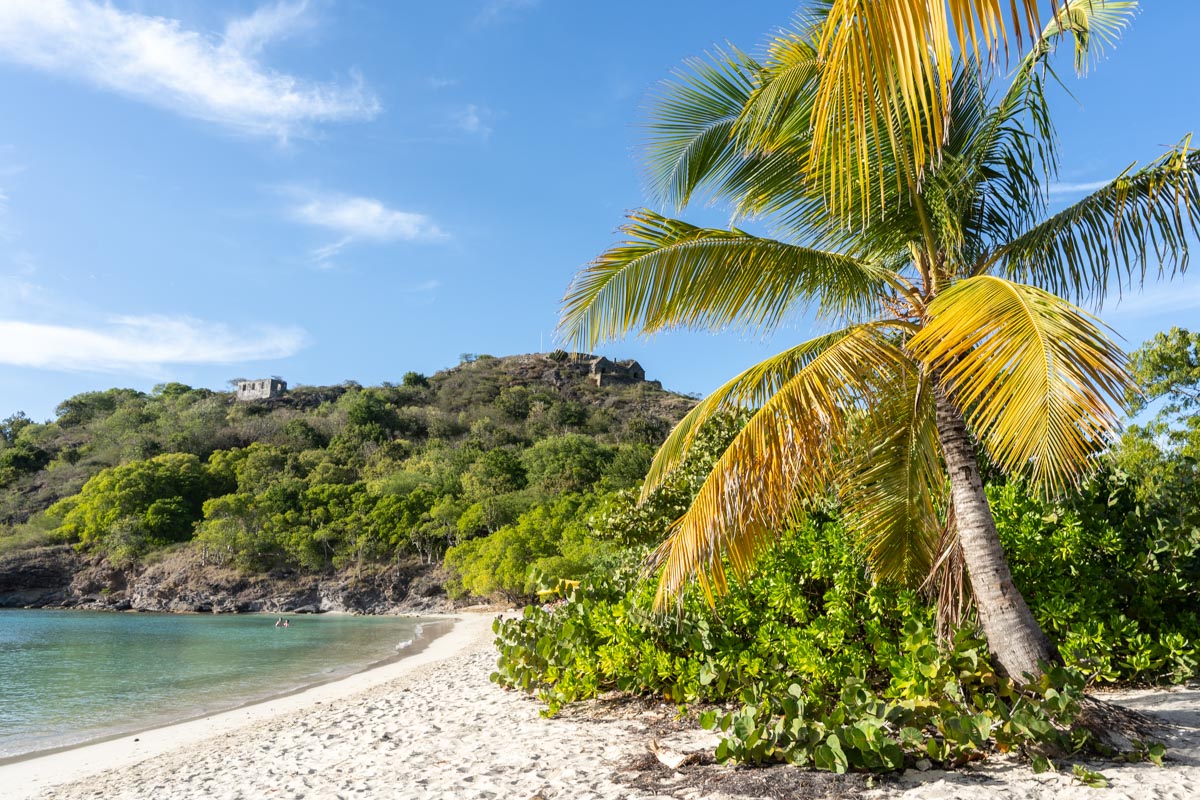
[59, 577]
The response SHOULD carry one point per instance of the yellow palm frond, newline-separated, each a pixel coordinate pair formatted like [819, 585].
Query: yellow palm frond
[784, 451]
[750, 389]
[1035, 377]
[886, 73]
[893, 485]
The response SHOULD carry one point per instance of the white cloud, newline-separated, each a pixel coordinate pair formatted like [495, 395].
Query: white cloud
[1154, 302]
[16, 291]
[364, 218]
[141, 344]
[324, 255]
[1056, 189]
[251, 34]
[473, 119]
[158, 61]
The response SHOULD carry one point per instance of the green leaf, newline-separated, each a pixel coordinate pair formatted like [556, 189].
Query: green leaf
[1089, 778]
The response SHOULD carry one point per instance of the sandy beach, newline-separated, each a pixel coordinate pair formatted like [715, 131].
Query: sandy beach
[433, 726]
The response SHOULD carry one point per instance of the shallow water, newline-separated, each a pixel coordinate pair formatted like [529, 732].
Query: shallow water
[71, 676]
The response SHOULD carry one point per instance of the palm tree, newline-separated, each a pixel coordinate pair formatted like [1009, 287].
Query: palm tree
[949, 309]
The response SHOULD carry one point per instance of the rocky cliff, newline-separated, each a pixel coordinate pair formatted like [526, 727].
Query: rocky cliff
[59, 577]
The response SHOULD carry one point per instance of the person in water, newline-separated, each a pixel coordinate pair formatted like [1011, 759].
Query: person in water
[279, 622]
[285, 623]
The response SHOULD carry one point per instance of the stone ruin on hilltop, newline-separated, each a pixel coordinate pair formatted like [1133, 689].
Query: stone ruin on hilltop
[604, 372]
[261, 388]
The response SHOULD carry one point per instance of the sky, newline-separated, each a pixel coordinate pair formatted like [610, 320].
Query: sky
[201, 190]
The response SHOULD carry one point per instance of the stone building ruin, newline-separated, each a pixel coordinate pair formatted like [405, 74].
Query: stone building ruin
[605, 373]
[261, 388]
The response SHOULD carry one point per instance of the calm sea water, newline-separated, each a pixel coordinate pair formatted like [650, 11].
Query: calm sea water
[71, 676]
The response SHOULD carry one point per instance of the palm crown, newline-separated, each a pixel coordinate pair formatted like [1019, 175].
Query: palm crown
[948, 293]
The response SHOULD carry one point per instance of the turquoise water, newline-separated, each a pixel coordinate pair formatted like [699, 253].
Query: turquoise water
[71, 676]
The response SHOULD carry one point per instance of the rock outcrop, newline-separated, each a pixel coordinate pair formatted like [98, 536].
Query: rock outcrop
[59, 577]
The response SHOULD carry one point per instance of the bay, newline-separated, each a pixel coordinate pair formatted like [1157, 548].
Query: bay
[67, 677]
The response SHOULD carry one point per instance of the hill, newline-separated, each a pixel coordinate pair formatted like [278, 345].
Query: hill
[317, 481]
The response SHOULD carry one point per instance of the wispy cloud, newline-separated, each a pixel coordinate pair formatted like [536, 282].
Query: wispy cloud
[1059, 189]
[158, 61]
[360, 219]
[366, 218]
[495, 9]
[473, 119]
[1157, 301]
[141, 345]
[17, 291]
[272, 23]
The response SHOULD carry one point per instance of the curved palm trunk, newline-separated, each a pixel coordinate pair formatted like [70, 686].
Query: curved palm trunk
[1014, 636]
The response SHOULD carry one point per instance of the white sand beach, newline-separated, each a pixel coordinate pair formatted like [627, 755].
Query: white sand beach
[434, 726]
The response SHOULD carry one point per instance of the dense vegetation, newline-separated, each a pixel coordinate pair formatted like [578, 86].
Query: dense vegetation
[813, 661]
[508, 449]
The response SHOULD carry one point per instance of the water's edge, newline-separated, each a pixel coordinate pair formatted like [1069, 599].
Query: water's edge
[427, 632]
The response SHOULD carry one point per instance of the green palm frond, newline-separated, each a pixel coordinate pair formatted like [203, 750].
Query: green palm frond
[779, 110]
[1117, 232]
[1094, 24]
[692, 133]
[1036, 378]
[671, 274]
[784, 451]
[892, 486]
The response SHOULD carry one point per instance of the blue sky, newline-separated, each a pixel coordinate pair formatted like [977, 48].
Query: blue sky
[197, 190]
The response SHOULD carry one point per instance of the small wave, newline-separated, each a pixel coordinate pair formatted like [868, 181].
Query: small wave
[417, 631]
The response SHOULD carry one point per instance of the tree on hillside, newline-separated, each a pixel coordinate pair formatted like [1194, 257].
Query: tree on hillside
[949, 301]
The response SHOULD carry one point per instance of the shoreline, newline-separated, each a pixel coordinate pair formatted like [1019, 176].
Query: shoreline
[429, 631]
[435, 726]
[29, 774]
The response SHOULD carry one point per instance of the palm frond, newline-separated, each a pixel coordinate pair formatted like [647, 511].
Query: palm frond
[1142, 217]
[1035, 377]
[750, 389]
[1017, 150]
[778, 111]
[892, 485]
[1095, 25]
[784, 451]
[887, 70]
[672, 274]
[692, 128]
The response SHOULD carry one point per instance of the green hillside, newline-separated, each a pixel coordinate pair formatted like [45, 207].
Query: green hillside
[323, 477]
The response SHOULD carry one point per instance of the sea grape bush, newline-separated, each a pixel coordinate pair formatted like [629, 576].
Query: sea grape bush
[816, 665]
[945, 704]
[810, 616]
[1137, 552]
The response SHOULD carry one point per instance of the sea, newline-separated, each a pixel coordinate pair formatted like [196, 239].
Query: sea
[69, 677]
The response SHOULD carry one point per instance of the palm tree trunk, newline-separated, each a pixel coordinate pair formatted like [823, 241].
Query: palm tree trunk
[1012, 633]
